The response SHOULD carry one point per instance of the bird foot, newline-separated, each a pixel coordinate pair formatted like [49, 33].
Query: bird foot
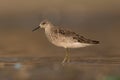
[66, 60]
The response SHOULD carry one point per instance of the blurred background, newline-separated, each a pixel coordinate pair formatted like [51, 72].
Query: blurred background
[94, 19]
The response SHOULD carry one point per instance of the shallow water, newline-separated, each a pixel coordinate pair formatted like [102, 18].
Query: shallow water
[50, 68]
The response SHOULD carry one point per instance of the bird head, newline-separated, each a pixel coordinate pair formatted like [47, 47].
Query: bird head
[43, 24]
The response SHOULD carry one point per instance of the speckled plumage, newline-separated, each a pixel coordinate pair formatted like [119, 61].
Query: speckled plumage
[76, 37]
[65, 38]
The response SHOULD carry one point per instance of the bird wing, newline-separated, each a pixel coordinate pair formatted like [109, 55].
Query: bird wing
[76, 37]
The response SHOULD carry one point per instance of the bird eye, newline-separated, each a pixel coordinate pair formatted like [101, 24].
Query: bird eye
[43, 23]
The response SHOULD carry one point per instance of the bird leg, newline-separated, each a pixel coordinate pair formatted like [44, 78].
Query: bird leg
[67, 57]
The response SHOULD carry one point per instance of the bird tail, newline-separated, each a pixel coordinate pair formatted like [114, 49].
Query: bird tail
[94, 42]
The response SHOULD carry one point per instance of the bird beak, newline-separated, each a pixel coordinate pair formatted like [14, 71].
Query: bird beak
[36, 28]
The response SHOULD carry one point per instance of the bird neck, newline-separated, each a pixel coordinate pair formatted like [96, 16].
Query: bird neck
[49, 27]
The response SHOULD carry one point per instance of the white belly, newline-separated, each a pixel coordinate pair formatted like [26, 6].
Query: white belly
[71, 45]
